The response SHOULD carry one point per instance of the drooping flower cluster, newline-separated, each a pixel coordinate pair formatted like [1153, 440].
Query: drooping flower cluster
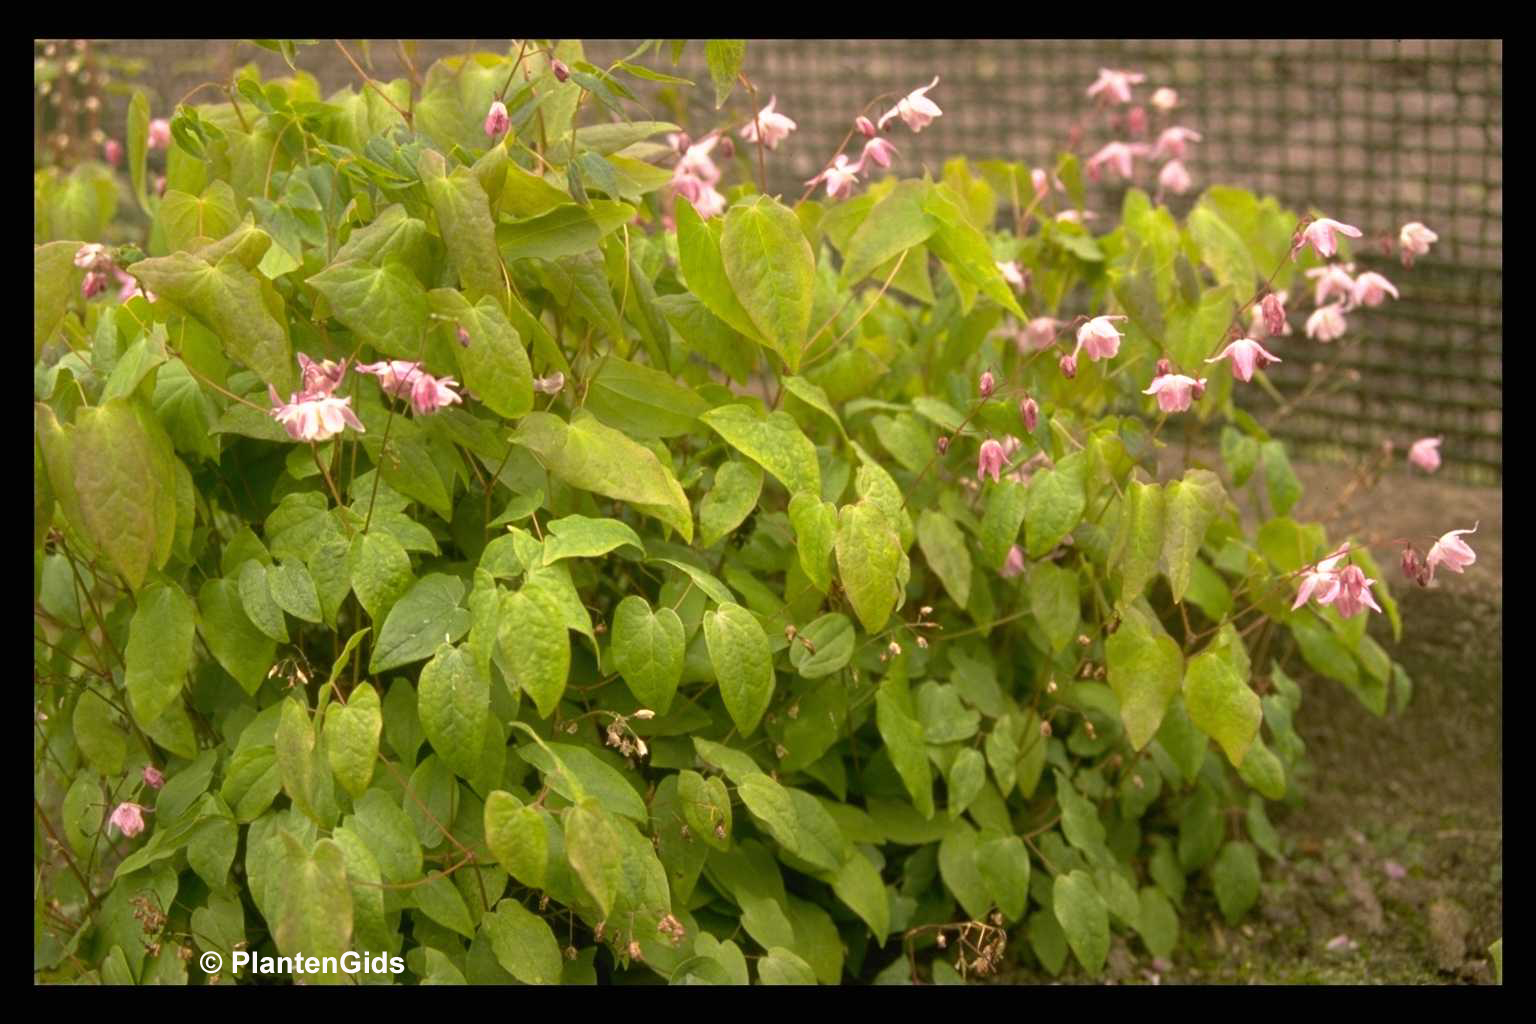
[315, 414]
[1450, 551]
[915, 109]
[1114, 88]
[695, 176]
[100, 269]
[404, 379]
[1347, 589]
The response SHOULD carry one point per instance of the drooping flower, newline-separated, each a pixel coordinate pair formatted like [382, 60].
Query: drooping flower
[159, 133]
[1415, 239]
[1172, 142]
[915, 108]
[128, 286]
[1327, 322]
[128, 818]
[496, 120]
[1174, 177]
[775, 126]
[1039, 333]
[710, 203]
[865, 126]
[1013, 564]
[1321, 235]
[1118, 155]
[1425, 453]
[1354, 594]
[320, 379]
[877, 151]
[1334, 279]
[1175, 391]
[840, 178]
[93, 256]
[1413, 565]
[551, 385]
[1012, 274]
[152, 776]
[1041, 181]
[1321, 581]
[695, 161]
[1273, 309]
[1165, 99]
[429, 393]
[314, 419]
[986, 384]
[396, 376]
[1451, 551]
[113, 151]
[1068, 366]
[990, 460]
[1029, 412]
[1371, 289]
[1136, 121]
[1246, 355]
[94, 283]
[1115, 86]
[1098, 338]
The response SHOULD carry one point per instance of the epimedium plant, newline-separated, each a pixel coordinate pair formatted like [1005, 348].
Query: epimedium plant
[465, 533]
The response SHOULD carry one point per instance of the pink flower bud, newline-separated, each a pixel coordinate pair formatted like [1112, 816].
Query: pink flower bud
[1068, 366]
[159, 184]
[551, 385]
[1041, 181]
[1014, 275]
[986, 385]
[1029, 412]
[558, 67]
[1165, 99]
[1412, 563]
[93, 256]
[1425, 453]
[1164, 366]
[463, 337]
[159, 133]
[113, 151]
[94, 284]
[728, 148]
[1038, 334]
[1274, 314]
[990, 460]
[865, 125]
[496, 120]
[943, 445]
[1014, 564]
[1136, 121]
[152, 777]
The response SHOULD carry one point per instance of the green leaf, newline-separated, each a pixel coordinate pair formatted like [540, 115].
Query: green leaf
[648, 649]
[124, 483]
[967, 776]
[1055, 504]
[895, 223]
[1079, 817]
[1000, 522]
[590, 456]
[782, 967]
[389, 835]
[738, 484]
[772, 271]
[454, 704]
[306, 780]
[796, 820]
[743, 664]
[1190, 506]
[1222, 250]
[380, 571]
[523, 944]
[943, 545]
[823, 647]
[905, 742]
[518, 836]
[958, 868]
[1262, 770]
[868, 559]
[568, 230]
[642, 401]
[493, 361]
[466, 223]
[773, 441]
[724, 57]
[1083, 917]
[159, 651]
[242, 649]
[1241, 454]
[579, 536]
[187, 218]
[98, 735]
[256, 599]
[703, 268]
[592, 845]
[352, 738]
[1145, 671]
[293, 589]
[1235, 876]
[440, 900]
[1279, 478]
[535, 646]
[859, 887]
[314, 903]
[386, 307]
[706, 808]
[1141, 540]
[815, 523]
[1055, 603]
[1158, 922]
[230, 300]
[427, 615]
[1221, 705]
[1004, 866]
[55, 280]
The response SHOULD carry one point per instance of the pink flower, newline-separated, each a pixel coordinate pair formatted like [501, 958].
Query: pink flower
[1394, 870]
[1172, 142]
[1041, 181]
[696, 161]
[865, 126]
[1174, 177]
[1118, 155]
[709, 202]
[1098, 338]
[1068, 366]
[1371, 289]
[840, 178]
[986, 385]
[320, 379]
[877, 151]
[1273, 309]
[1136, 121]
[1029, 412]
[1321, 581]
[314, 419]
[1165, 99]
[1012, 274]
[1039, 333]
[159, 184]
[1354, 594]
[1334, 279]
[496, 120]
[990, 460]
[1451, 551]
[159, 133]
[1175, 391]
[152, 777]
[915, 108]
[128, 818]
[1320, 234]
[1425, 453]
[1246, 355]
[1327, 323]
[113, 151]
[1076, 217]
[1115, 86]
[1415, 239]
[93, 284]
[396, 377]
[429, 394]
[551, 385]
[775, 126]
[93, 256]
[128, 287]
[560, 70]
[1014, 564]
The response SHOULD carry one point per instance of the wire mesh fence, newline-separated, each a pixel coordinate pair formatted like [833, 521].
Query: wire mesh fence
[1373, 133]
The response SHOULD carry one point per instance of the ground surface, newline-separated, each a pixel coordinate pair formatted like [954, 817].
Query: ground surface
[1422, 791]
